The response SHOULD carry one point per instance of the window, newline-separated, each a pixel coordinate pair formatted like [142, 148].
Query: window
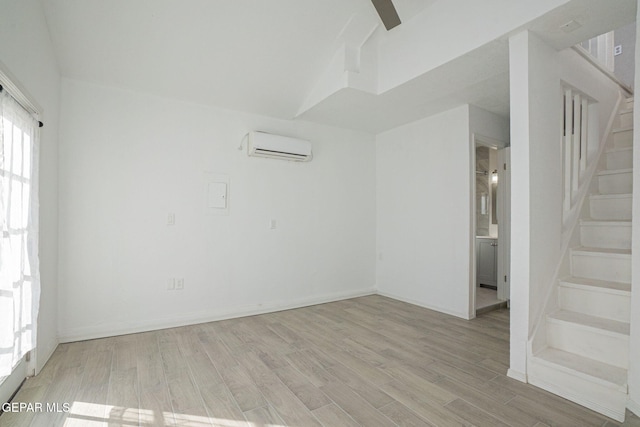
[19, 270]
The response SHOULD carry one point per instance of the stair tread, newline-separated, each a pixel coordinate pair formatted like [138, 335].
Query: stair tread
[610, 196]
[602, 250]
[623, 129]
[593, 368]
[613, 326]
[618, 149]
[615, 171]
[594, 283]
[605, 222]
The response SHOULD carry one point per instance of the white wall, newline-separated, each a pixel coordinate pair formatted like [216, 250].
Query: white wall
[536, 190]
[128, 159]
[27, 54]
[634, 341]
[488, 124]
[545, 171]
[423, 204]
[625, 62]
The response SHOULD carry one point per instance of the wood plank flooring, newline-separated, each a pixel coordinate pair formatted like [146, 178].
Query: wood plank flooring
[369, 361]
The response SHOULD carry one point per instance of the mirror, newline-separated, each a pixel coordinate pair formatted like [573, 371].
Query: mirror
[486, 191]
[494, 197]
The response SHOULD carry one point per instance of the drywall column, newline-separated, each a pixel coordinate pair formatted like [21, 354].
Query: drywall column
[634, 368]
[520, 238]
[536, 189]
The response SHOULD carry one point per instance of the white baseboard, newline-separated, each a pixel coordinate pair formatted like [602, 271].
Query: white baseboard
[135, 326]
[43, 357]
[633, 406]
[580, 400]
[517, 375]
[462, 315]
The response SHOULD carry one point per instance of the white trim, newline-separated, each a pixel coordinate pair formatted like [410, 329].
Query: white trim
[517, 375]
[460, 314]
[473, 262]
[132, 327]
[580, 400]
[504, 224]
[18, 92]
[35, 363]
[633, 406]
[10, 384]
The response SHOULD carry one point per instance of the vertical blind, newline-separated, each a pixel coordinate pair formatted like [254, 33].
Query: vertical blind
[19, 267]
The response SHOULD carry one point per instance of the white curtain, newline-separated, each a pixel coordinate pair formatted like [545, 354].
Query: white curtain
[19, 269]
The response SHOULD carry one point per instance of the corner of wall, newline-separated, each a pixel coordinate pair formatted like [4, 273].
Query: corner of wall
[517, 375]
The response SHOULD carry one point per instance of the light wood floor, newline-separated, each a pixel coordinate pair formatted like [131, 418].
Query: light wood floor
[486, 297]
[368, 361]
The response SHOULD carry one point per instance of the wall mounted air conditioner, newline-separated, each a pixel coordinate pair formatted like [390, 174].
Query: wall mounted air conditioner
[262, 144]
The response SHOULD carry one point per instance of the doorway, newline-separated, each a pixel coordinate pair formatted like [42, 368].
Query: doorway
[490, 224]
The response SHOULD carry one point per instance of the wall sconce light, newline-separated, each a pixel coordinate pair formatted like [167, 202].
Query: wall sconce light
[494, 176]
[484, 204]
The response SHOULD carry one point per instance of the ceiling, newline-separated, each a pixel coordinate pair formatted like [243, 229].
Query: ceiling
[251, 55]
[264, 56]
[480, 78]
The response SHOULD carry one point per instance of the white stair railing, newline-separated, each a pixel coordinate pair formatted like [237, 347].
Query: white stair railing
[575, 139]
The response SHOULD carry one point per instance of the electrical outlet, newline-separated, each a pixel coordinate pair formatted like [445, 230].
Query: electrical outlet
[180, 284]
[617, 50]
[272, 224]
[171, 284]
[171, 219]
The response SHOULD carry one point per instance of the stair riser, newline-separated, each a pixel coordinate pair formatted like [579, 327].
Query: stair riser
[595, 303]
[605, 400]
[605, 236]
[619, 160]
[625, 119]
[623, 139]
[629, 104]
[610, 209]
[612, 268]
[619, 183]
[591, 343]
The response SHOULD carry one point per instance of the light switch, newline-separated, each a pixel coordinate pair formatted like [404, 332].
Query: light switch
[217, 195]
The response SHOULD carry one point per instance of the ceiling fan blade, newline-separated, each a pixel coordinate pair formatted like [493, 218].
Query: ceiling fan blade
[387, 12]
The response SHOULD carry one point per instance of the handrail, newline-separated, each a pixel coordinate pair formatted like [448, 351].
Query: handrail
[586, 55]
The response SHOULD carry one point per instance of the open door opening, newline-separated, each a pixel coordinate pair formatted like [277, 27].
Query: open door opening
[491, 225]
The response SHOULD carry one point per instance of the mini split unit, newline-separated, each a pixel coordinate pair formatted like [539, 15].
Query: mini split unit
[262, 144]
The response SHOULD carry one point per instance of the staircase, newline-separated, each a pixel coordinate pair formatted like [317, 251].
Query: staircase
[586, 356]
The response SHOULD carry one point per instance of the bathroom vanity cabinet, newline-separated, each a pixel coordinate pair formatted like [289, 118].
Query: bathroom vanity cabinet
[487, 261]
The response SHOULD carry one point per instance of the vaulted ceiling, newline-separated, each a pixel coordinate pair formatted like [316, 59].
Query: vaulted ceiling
[252, 55]
[267, 56]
